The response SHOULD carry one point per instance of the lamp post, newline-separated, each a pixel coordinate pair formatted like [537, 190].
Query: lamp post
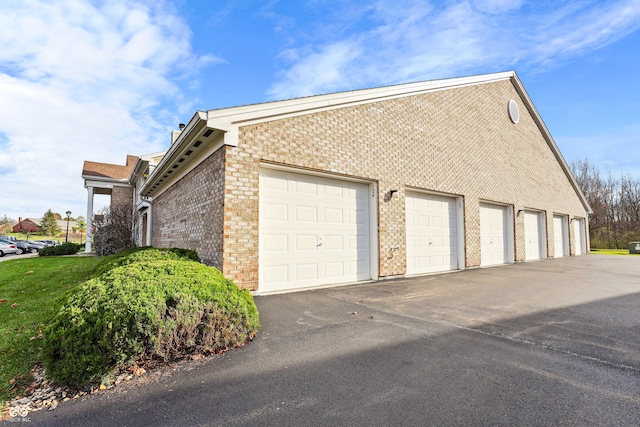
[66, 236]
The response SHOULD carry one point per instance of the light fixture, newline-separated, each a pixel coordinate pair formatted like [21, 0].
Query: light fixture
[66, 236]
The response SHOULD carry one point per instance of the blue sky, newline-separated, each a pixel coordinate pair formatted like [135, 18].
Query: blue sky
[97, 80]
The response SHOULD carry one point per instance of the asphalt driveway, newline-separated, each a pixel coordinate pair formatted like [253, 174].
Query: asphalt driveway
[545, 343]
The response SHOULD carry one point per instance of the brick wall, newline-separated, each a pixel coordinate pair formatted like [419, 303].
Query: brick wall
[122, 196]
[190, 213]
[457, 141]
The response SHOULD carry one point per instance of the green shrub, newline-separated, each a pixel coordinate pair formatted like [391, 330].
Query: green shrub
[67, 248]
[145, 310]
[144, 253]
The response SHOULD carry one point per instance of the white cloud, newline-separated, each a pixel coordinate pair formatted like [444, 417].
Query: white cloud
[418, 40]
[497, 6]
[82, 80]
[333, 61]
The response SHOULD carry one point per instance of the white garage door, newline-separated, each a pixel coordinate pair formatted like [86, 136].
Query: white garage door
[313, 231]
[560, 236]
[534, 235]
[494, 234]
[579, 236]
[432, 239]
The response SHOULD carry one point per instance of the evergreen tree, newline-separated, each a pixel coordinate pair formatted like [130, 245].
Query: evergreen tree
[48, 225]
[7, 220]
[6, 224]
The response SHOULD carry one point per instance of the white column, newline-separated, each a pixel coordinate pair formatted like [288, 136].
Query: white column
[149, 220]
[89, 221]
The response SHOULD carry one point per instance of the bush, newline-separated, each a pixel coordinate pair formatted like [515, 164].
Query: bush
[143, 253]
[113, 231]
[142, 311]
[67, 248]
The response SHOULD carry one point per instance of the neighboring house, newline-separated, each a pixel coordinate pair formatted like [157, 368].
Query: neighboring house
[33, 225]
[28, 224]
[409, 179]
[62, 225]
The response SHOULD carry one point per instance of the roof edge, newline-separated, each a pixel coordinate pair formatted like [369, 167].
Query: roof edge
[275, 109]
[552, 143]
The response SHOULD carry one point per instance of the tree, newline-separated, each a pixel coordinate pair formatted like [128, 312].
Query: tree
[6, 224]
[615, 202]
[6, 220]
[48, 224]
[57, 216]
[114, 229]
[81, 226]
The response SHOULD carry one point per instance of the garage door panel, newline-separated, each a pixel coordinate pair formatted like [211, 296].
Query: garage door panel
[579, 236]
[534, 235]
[334, 243]
[306, 242]
[305, 186]
[327, 224]
[334, 191]
[334, 270]
[333, 216]
[560, 236]
[277, 243]
[306, 272]
[437, 261]
[431, 233]
[275, 274]
[494, 245]
[308, 214]
[276, 212]
[423, 221]
[276, 184]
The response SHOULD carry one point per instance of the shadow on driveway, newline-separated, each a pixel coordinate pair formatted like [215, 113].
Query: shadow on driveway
[544, 343]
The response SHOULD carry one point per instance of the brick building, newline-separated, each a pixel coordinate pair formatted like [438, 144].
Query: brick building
[363, 185]
[30, 225]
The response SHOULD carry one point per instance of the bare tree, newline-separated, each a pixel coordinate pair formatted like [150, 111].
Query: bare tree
[115, 229]
[615, 202]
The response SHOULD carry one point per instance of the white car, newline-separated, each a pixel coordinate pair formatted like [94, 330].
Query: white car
[6, 248]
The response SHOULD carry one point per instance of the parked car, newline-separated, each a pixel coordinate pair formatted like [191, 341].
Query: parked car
[22, 247]
[8, 248]
[28, 246]
[21, 244]
[36, 246]
[49, 242]
[5, 237]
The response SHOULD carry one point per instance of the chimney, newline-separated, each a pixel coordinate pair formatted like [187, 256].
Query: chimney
[176, 133]
[174, 136]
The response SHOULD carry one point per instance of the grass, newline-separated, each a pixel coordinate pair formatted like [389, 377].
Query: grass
[28, 289]
[611, 252]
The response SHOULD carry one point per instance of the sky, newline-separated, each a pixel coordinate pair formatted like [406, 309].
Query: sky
[97, 80]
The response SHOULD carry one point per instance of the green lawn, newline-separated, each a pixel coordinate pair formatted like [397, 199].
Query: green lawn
[611, 252]
[28, 288]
